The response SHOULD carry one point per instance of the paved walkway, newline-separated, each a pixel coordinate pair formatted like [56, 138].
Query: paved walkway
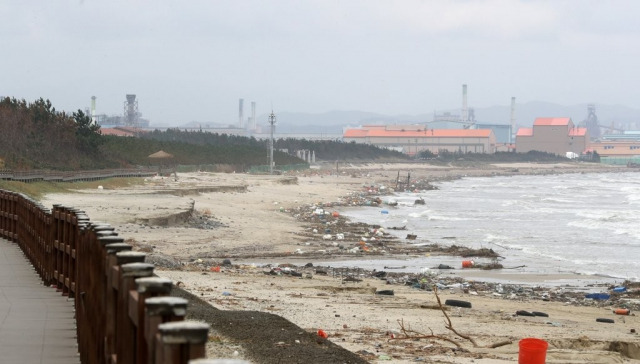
[37, 324]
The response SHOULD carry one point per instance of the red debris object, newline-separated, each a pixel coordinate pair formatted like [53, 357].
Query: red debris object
[322, 334]
[215, 269]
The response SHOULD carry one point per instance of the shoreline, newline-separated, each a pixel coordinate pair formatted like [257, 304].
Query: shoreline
[246, 217]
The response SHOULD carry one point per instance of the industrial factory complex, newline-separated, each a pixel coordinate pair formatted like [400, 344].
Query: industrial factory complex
[446, 132]
[462, 134]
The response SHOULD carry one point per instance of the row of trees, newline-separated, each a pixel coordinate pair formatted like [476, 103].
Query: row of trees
[37, 136]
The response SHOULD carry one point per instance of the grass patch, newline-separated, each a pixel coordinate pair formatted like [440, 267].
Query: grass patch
[37, 190]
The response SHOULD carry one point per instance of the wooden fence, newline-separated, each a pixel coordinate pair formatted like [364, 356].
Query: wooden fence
[124, 314]
[74, 176]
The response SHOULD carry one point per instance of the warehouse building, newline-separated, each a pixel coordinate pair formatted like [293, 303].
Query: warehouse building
[552, 135]
[413, 139]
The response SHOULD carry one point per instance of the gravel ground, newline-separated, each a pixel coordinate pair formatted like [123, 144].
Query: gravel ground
[263, 338]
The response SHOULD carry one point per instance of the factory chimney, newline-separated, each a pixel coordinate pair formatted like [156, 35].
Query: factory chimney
[253, 115]
[513, 118]
[465, 110]
[241, 114]
[93, 109]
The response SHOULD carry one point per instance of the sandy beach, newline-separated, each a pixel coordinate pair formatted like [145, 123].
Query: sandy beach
[266, 226]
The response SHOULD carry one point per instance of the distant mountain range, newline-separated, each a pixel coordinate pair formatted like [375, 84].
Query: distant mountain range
[333, 122]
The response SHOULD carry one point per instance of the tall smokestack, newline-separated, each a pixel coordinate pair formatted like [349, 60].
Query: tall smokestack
[513, 117]
[93, 109]
[465, 110]
[253, 115]
[241, 113]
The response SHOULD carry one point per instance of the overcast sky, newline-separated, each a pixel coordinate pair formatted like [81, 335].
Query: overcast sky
[192, 60]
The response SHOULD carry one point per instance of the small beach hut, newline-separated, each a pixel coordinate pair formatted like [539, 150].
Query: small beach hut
[163, 160]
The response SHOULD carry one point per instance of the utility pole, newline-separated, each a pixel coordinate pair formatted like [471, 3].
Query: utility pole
[272, 122]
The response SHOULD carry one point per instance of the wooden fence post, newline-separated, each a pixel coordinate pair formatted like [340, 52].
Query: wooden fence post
[126, 330]
[159, 310]
[179, 342]
[113, 308]
[147, 288]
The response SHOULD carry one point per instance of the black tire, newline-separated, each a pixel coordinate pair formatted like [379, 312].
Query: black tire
[386, 292]
[524, 313]
[458, 303]
[541, 314]
[605, 320]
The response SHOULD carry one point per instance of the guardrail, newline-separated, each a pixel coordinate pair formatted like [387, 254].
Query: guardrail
[124, 314]
[74, 176]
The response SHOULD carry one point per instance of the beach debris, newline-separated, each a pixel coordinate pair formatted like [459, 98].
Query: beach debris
[215, 269]
[322, 334]
[226, 262]
[458, 303]
[622, 311]
[605, 320]
[468, 263]
[444, 266]
[380, 274]
[411, 237]
[524, 313]
[620, 289]
[597, 296]
[385, 292]
[419, 201]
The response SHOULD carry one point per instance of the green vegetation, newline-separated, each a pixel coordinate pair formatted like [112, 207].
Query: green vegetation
[333, 150]
[498, 157]
[36, 136]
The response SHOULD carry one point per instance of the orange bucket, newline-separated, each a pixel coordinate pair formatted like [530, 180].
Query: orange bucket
[467, 263]
[532, 351]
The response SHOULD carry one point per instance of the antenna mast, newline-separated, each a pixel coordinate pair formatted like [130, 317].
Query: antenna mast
[272, 122]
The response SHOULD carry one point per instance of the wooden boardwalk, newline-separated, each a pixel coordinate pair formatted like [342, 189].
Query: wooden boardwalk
[37, 324]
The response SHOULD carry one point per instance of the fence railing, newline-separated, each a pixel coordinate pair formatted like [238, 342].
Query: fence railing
[74, 176]
[286, 168]
[124, 314]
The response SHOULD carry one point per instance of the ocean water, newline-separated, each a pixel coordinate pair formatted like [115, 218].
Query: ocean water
[570, 223]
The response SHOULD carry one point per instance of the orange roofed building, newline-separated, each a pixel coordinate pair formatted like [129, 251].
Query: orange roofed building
[413, 139]
[552, 135]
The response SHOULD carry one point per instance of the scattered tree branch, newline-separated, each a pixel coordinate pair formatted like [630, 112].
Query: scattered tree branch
[449, 325]
[499, 344]
[411, 334]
